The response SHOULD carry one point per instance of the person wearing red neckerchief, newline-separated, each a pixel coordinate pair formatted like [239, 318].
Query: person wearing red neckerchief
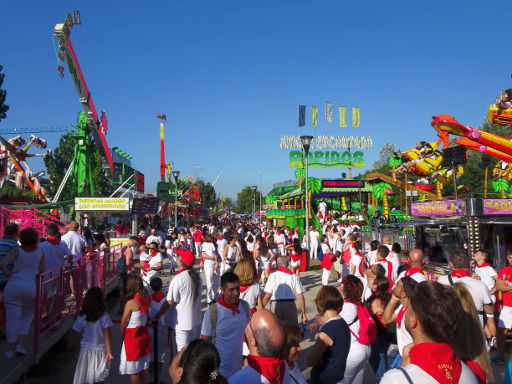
[460, 262]
[224, 325]
[157, 301]
[266, 339]
[395, 311]
[184, 296]
[416, 263]
[154, 264]
[504, 284]
[281, 288]
[433, 316]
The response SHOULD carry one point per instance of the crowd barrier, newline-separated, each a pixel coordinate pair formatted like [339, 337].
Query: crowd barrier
[54, 301]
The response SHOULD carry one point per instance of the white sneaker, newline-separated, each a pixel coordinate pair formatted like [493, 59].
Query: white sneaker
[19, 349]
[10, 354]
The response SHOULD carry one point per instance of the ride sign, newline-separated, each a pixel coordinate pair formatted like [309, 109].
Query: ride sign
[102, 203]
[328, 159]
[437, 208]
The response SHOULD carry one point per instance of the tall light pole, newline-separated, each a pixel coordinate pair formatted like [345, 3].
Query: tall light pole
[306, 142]
[254, 188]
[176, 174]
[261, 194]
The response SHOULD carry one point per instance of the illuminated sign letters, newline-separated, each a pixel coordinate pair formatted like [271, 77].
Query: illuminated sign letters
[328, 159]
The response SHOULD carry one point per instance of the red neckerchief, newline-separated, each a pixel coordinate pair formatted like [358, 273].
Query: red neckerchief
[460, 273]
[234, 308]
[28, 248]
[144, 305]
[272, 368]
[411, 271]
[400, 316]
[282, 268]
[406, 263]
[294, 256]
[477, 370]
[181, 270]
[53, 240]
[155, 253]
[438, 360]
[244, 288]
[484, 265]
[157, 296]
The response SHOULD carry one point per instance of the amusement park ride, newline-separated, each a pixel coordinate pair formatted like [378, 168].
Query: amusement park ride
[92, 127]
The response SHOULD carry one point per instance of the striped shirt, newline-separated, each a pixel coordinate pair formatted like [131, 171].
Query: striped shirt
[6, 244]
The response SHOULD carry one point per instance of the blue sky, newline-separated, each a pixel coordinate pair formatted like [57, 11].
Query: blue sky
[230, 74]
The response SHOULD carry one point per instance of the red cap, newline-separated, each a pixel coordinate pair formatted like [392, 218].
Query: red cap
[187, 257]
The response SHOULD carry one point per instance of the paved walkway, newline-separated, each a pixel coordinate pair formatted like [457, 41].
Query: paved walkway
[58, 365]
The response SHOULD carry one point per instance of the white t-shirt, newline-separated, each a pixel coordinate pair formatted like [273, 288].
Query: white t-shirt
[349, 314]
[209, 249]
[418, 276]
[396, 261]
[395, 376]
[75, 243]
[279, 239]
[221, 243]
[372, 257]
[325, 248]
[229, 335]
[154, 239]
[486, 274]
[385, 265]
[54, 254]
[476, 288]
[153, 262]
[93, 333]
[283, 286]
[248, 375]
[313, 236]
[403, 337]
[186, 315]
[356, 260]
[251, 295]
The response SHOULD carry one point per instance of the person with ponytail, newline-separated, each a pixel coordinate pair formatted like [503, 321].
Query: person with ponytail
[185, 294]
[197, 363]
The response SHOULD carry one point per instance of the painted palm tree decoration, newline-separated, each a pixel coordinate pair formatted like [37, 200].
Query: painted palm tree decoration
[300, 173]
[395, 161]
[439, 188]
[381, 192]
[501, 186]
[344, 203]
[271, 199]
[314, 185]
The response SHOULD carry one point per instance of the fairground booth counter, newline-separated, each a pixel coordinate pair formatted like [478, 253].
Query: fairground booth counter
[441, 227]
[119, 216]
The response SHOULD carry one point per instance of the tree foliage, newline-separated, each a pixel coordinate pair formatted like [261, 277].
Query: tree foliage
[3, 95]
[58, 161]
[245, 200]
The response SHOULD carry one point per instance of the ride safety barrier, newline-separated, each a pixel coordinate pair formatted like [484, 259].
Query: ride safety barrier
[60, 291]
[26, 218]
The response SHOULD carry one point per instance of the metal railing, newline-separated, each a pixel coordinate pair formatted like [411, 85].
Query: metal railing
[26, 218]
[54, 301]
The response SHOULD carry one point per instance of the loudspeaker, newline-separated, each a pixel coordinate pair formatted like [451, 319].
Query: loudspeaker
[454, 156]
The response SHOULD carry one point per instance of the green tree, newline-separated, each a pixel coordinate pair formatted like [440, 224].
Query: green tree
[3, 95]
[245, 200]
[208, 194]
[58, 161]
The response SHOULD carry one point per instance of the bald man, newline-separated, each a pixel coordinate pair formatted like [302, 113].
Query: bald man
[417, 261]
[266, 339]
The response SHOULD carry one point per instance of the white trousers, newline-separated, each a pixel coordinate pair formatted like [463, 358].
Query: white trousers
[326, 273]
[313, 253]
[198, 249]
[19, 298]
[356, 361]
[211, 281]
[282, 251]
[182, 338]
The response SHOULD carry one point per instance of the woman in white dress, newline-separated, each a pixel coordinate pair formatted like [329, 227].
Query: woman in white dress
[136, 350]
[209, 255]
[231, 253]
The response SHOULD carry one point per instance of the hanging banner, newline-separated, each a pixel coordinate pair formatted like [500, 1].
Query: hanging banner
[327, 159]
[314, 116]
[355, 117]
[343, 116]
[302, 115]
[328, 112]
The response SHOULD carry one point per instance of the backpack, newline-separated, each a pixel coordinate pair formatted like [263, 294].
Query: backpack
[214, 316]
[121, 262]
[320, 253]
[367, 326]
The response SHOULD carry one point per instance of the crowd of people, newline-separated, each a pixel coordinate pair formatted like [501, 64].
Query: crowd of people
[370, 297]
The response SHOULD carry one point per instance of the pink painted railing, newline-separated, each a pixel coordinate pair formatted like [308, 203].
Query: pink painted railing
[26, 218]
[54, 301]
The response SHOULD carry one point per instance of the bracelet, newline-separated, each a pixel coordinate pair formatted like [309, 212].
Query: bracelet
[489, 316]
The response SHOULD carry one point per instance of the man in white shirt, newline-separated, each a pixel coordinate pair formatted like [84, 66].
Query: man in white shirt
[265, 338]
[75, 242]
[460, 263]
[154, 238]
[280, 240]
[417, 260]
[281, 288]
[313, 242]
[224, 324]
[432, 318]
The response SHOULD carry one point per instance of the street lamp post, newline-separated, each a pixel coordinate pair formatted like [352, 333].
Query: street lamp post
[254, 187]
[306, 142]
[261, 194]
[176, 174]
